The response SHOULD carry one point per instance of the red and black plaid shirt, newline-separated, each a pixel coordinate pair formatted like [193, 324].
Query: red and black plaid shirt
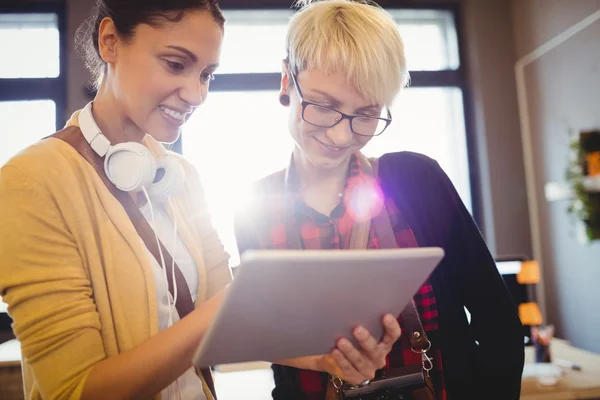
[317, 231]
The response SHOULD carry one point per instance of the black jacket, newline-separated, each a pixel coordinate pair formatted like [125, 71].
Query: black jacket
[483, 360]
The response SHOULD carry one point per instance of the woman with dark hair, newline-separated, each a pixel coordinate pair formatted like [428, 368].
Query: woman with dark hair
[110, 267]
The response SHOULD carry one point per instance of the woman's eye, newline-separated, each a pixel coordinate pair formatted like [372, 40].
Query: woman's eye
[207, 77]
[175, 66]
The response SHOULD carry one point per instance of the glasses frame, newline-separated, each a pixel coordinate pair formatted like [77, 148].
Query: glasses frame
[350, 118]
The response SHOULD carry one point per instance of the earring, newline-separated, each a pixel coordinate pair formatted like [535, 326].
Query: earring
[284, 99]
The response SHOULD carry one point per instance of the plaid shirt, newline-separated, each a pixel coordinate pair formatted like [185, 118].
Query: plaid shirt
[317, 231]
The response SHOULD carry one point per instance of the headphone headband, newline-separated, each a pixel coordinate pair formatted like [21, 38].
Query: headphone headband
[131, 165]
[92, 133]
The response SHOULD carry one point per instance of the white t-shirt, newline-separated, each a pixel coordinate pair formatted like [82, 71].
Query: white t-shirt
[188, 385]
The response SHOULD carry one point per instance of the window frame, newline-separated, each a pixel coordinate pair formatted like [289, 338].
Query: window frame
[456, 78]
[25, 89]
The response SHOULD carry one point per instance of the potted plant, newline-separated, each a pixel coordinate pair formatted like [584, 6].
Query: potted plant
[583, 177]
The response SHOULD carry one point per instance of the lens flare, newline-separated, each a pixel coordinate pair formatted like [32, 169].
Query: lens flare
[364, 201]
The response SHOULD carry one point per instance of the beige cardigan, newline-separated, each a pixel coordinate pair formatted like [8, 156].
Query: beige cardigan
[73, 271]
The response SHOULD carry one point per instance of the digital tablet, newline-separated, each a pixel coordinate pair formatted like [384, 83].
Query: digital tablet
[294, 303]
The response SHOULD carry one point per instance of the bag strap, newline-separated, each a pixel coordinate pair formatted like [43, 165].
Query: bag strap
[184, 303]
[385, 234]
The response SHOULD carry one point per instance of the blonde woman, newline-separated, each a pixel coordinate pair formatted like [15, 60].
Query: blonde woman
[94, 306]
[345, 65]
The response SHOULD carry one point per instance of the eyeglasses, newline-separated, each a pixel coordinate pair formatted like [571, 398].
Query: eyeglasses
[327, 117]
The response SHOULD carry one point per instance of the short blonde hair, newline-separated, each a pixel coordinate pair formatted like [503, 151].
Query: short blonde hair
[359, 39]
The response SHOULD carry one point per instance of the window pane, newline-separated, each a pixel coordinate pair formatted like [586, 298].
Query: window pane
[255, 40]
[16, 121]
[39, 34]
[239, 137]
[429, 39]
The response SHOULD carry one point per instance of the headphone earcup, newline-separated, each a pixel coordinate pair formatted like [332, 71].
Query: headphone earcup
[130, 166]
[170, 177]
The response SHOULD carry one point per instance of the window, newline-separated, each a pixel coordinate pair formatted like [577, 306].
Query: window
[32, 83]
[240, 135]
[29, 31]
[429, 39]
[254, 41]
[16, 123]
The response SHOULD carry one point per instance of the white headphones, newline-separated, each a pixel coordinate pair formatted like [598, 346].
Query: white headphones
[130, 166]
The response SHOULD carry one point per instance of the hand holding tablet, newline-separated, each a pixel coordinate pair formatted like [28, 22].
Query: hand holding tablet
[353, 365]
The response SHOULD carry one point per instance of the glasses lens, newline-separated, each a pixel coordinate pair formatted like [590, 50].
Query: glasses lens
[368, 126]
[321, 116]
